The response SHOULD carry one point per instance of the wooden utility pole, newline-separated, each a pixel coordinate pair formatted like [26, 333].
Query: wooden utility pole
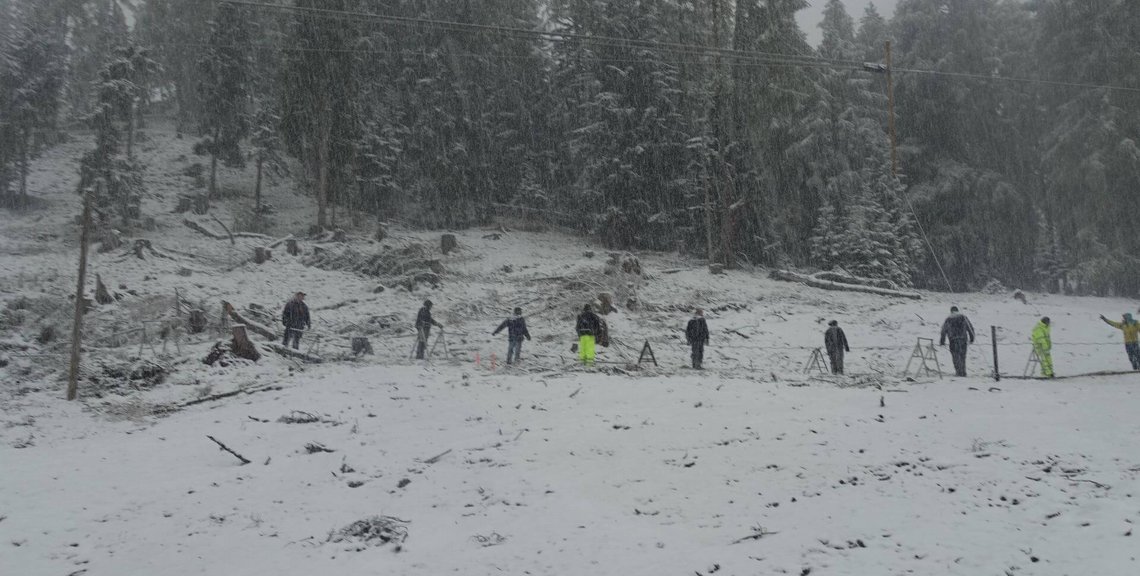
[80, 306]
[891, 117]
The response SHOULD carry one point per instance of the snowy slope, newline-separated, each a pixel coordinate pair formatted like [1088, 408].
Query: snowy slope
[552, 469]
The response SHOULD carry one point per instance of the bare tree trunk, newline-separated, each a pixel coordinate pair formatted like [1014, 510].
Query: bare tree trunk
[131, 131]
[77, 326]
[24, 169]
[257, 187]
[212, 194]
[323, 171]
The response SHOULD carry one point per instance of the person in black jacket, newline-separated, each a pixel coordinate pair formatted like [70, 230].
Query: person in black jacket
[836, 343]
[961, 334]
[588, 327]
[697, 336]
[424, 322]
[295, 317]
[516, 331]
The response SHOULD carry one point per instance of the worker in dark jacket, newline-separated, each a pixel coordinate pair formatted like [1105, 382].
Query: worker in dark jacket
[697, 336]
[424, 322]
[295, 317]
[516, 331]
[588, 327]
[836, 343]
[960, 332]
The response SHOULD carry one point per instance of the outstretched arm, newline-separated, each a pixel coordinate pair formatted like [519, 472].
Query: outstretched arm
[500, 328]
[1117, 325]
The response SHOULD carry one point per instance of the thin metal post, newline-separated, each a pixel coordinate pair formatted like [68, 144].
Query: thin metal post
[993, 337]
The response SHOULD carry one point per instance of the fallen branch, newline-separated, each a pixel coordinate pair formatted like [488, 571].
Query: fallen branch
[1094, 482]
[789, 276]
[291, 353]
[758, 533]
[224, 447]
[436, 458]
[251, 326]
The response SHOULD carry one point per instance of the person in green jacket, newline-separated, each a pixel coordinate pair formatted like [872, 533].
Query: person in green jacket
[1043, 345]
[1131, 329]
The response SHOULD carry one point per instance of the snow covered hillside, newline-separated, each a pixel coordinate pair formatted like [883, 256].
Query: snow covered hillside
[750, 467]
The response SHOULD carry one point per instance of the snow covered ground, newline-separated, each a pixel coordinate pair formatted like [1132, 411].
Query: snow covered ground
[750, 467]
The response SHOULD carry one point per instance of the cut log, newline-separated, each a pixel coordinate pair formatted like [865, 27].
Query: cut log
[447, 243]
[261, 255]
[102, 296]
[259, 329]
[285, 351]
[789, 276]
[716, 268]
[381, 233]
[242, 346]
[291, 247]
[339, 235]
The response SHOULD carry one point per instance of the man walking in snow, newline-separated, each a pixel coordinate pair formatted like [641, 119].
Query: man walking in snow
[588, 327]
[516, 331]
[836, 343]
[295, 317]
[424, 322]
[961, 334]
[697, 335]
[1043, 345]
[1131, 329]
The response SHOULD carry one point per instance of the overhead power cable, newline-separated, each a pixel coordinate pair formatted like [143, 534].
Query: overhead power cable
[775, 58]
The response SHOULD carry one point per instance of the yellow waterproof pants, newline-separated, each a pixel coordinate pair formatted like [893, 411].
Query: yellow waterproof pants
[586, 349]
[1046, 357]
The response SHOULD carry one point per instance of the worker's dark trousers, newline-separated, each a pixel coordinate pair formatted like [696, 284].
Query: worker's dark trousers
[958, 353]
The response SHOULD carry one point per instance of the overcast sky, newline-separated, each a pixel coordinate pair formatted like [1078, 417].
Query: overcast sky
[809, 17]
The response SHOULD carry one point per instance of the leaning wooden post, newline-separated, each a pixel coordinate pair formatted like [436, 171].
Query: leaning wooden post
[993, 338]
[77, 326]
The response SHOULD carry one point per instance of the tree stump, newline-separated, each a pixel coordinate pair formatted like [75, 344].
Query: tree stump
[605, 303]
[261, 255]
[197, 322]
[448, 243]
[141, 246]
[102, 296]
[201, 204]
[185, 204]
[110, 240]
[242, 346]
[436, 266]
[291, 247]
[716, 268]
[361, 345]
[339, 235]
[381, 233]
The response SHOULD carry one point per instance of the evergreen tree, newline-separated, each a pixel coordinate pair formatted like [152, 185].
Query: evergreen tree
[172, 30]
[627, 129]
[98, 28]
[872, 36]
[107, 171]
[31, 83]
[225, 91]
[1091, 157]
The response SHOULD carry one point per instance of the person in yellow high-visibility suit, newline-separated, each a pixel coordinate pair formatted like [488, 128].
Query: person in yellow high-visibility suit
[1131, 329]
[589, 328]
[1043, 345]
